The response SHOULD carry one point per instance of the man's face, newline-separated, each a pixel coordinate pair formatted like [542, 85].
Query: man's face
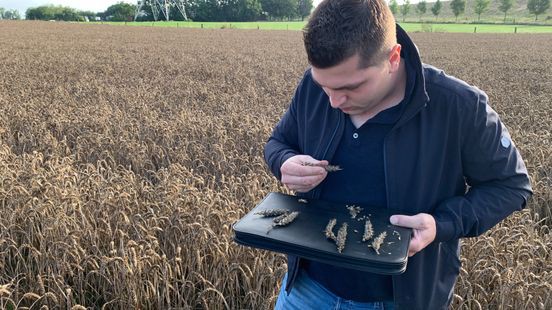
[353, 90]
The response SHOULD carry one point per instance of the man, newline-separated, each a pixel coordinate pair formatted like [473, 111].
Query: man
[409, 138]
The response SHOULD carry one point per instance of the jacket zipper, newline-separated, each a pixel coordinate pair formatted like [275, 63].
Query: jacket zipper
[387, 187]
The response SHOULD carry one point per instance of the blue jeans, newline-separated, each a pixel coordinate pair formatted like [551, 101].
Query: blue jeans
[309, 294]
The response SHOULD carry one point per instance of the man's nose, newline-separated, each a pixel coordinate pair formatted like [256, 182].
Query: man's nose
[336, 99]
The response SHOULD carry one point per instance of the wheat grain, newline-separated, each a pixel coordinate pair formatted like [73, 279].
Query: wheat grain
[354, 210]
[397, 233]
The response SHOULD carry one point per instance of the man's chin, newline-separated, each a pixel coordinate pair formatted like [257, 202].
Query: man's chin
[347, 110]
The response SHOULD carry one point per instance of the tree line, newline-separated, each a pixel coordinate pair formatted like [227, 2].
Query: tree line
[9, 14]
[248, 10]
[197, 10]
[53, 12]
[458, 7]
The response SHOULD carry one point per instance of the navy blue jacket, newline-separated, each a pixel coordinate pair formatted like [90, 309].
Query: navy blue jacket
[449, 155]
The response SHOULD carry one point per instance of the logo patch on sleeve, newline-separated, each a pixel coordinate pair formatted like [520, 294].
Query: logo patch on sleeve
[505, 141]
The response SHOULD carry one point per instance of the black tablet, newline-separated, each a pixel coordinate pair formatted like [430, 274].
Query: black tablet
[351, 236]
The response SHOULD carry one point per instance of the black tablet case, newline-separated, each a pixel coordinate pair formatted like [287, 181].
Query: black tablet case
[305, 236]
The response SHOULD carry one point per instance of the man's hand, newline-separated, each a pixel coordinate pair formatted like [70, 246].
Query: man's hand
[300, 177]
[424, 230]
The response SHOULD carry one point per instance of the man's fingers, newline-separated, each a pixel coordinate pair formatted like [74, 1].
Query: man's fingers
[302, 171]
[414, 247]
[405, 221]
[423, 232]
[301, 181]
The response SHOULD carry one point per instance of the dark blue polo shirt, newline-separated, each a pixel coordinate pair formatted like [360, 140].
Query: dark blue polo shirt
[361, 182]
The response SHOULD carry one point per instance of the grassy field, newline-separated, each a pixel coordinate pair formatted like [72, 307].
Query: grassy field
[297, 25]
[292, 25]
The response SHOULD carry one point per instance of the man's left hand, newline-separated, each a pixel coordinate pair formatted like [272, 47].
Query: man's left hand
[423, 227]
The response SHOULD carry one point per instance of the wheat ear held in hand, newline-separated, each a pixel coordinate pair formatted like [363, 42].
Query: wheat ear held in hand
[329, 168]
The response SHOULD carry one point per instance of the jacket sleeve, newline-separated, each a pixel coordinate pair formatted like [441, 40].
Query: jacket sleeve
[495, 173]
[284, 142]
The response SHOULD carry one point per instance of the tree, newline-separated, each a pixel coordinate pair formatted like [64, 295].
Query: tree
[279, 8]
[421, 8]
[87, 14]
[239, 10]
[538, 7]
[2, 11]
[480, 7]
[505, 6]
[51, 12]
[405, 8]
[436, 8]
[10, 14]
[304, 8]
[458, 7]
[249, 10]
[68, 14]
[394, 7]
[120, 12]
[205, 10]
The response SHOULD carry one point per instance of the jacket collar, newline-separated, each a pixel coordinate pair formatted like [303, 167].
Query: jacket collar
[419, 96]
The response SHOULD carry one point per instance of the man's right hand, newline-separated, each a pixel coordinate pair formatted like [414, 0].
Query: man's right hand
[301, 177]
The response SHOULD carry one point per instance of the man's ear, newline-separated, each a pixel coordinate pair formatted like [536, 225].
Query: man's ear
[395, 58]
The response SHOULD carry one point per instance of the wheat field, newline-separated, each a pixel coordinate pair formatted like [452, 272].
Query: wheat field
[126, 154]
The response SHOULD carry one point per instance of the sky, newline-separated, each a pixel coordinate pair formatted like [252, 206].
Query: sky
[85, 5]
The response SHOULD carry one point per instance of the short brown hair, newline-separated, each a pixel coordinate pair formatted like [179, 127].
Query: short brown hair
[339, 29]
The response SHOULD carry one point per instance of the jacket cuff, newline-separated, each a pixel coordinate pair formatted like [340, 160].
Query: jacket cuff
[444, 225]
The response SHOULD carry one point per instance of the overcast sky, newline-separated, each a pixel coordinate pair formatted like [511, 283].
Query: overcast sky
[85, 5]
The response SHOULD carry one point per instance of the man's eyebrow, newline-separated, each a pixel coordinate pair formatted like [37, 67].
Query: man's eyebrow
[348, 86]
